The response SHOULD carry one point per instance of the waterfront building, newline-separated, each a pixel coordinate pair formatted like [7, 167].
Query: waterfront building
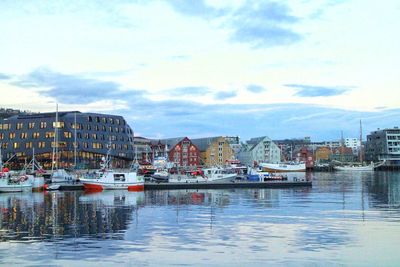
[181, 151]
[143, 149]
[343, 154]
[353, 143]
[260, 149]
[384, 145]
[214, 150]
[95, 135]
[322, 154]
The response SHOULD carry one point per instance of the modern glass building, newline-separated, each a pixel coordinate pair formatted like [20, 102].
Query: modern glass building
[384, 145]
[80, 138]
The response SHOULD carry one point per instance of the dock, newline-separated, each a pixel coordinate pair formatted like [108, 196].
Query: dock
[226, 185]
[206, 185]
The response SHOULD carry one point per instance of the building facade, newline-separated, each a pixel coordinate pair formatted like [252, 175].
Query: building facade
[214, 150]
[80, 138]
[181, 151]
[260, 149]
[384, 145]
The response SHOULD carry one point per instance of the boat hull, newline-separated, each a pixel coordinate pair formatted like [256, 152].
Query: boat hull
[15, 188]
[99, 186]
[354, 168]
[267, 167]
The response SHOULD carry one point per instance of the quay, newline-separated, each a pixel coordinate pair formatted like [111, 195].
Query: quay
[204, 185]
[226, 185]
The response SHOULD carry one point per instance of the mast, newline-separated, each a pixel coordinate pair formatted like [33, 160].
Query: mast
[361, 150]
[75, 144]
[54, 162]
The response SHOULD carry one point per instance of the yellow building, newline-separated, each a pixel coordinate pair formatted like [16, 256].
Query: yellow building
[322, 153]
[214, 150]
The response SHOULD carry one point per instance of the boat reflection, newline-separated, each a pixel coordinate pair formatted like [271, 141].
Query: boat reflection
[113, 198]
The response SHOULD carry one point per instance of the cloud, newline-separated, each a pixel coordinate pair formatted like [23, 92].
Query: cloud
[264, 24]
[4, 76]
[73, 89]
[259, 23]
[316, 91]
[253, 88]
[194, 8]
[171, 118]
[224, 95]
[189, 91]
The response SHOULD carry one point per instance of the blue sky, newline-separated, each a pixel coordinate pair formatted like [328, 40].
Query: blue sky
[286, 69]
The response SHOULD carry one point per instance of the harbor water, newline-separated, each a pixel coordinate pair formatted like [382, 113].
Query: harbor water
[350, 219]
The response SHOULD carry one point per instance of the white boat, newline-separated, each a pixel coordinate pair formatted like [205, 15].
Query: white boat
[256, 174]
[10, 183]
[213, 174]
[283, 167]
[161, 175]
[354, 168]
[107, 178]
[62, 176]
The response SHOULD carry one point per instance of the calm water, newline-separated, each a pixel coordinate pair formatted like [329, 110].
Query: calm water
[344, 219]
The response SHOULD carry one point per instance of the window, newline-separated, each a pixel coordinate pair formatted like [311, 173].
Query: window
[85, 145]
[89, 127]
[43, 124]
[97, 119]
[49, 134]
[5, 146]
[31, 125]
[67, 134]
[111, 120]
[94, 136]
[89, 118]
[6, 126]
[24, 135]
[12, 135]
[19, 125]
[118, 121]
[35, 135]
[16, 145]
[119, 177]
[28, 145]
[1, 136]
[41, 144]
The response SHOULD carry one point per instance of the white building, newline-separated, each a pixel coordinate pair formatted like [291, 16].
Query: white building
[260, 149]
[353, 143]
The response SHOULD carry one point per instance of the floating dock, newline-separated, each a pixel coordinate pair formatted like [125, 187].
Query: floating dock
[226, 185]
[207, 185]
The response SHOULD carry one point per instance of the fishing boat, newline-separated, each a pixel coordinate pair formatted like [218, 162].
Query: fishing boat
[108, 178]
[257, 174]
[9, 183]
[213, 174]
[284, 167]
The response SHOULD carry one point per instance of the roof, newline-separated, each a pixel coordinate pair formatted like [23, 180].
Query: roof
[203, 143]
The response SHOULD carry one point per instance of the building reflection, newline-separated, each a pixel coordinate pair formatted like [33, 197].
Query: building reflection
[383, 189]
[55, 215]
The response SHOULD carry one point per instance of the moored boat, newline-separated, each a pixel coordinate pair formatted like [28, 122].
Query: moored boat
[354, 168]
[107, 178]
[283, 167]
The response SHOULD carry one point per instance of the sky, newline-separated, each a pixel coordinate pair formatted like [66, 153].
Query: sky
[284, 69]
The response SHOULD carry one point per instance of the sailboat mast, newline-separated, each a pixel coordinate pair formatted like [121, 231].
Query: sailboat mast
[54, 164]
[361, 146]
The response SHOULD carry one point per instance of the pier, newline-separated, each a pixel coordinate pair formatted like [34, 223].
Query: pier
[226, 185]
[204, 185]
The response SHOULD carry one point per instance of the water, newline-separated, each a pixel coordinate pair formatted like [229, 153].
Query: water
[344, 219]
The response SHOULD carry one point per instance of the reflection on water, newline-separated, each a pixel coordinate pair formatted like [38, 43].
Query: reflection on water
[354, 215]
